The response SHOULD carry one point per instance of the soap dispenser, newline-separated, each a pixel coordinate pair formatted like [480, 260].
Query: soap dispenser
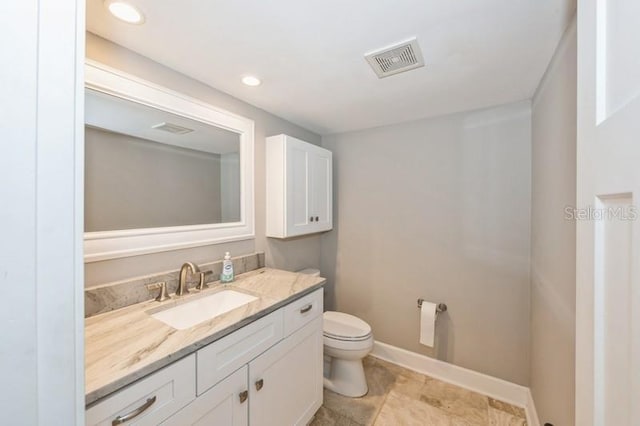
[227, 269]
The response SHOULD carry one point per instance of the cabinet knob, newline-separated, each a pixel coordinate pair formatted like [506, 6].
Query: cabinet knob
[259, 384]
[311, 219]
[317, 218]
[243, 396]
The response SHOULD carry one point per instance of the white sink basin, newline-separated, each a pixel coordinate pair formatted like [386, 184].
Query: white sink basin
[189, 314]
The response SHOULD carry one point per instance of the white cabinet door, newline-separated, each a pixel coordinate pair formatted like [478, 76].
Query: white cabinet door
[297, 188]
[285, 383]
[320, 189]
[224, 404]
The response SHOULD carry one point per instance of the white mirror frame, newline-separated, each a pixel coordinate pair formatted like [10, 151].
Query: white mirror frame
[131, 242]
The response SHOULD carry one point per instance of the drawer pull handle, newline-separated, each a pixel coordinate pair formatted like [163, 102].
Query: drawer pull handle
[259, 384]
[243, 396]
[306, 308]
[135, 413]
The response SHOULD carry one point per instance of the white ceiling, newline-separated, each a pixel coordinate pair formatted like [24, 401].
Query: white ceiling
[310, 54]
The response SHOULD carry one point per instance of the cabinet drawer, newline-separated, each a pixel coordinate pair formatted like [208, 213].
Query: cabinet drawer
[302, 311]
[162, 393]
[224, 356]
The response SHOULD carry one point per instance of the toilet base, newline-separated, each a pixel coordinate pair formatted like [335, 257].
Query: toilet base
[347, 378]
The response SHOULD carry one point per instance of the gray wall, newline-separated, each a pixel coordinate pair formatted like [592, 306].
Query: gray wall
[553, 245]
[134, 183]
[291, 255]
[440, 209]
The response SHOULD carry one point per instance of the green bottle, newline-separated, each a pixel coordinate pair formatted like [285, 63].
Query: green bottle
[227, 269]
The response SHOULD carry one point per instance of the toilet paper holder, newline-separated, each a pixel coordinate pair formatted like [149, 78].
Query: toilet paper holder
[439, 309]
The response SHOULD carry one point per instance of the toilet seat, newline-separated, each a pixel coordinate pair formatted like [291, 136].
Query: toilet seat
[341, 327]
[346, 339]
[348, 345]
[346, 332]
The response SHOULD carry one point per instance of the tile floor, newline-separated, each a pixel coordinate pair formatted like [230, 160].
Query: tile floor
[400, 397]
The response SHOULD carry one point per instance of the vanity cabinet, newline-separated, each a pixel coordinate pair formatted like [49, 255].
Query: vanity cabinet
[299, 187]
[267, 373]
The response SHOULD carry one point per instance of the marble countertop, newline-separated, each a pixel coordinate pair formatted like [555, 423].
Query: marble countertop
[125, 345]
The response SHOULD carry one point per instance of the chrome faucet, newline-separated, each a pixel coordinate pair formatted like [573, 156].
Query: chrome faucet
[182, 281]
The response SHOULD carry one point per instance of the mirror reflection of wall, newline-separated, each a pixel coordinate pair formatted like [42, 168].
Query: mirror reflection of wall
[146, 168]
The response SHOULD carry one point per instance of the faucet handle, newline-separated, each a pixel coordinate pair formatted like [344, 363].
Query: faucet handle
[162, 285]
[201, 284]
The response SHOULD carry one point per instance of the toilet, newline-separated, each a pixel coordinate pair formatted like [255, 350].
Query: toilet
[347, 340]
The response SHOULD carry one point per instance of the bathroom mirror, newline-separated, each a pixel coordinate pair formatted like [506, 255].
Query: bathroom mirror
[162, 171]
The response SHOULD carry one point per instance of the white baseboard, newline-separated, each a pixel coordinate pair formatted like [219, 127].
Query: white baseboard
[459, 376]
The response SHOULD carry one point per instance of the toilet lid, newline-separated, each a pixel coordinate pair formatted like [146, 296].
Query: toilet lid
[344, 326]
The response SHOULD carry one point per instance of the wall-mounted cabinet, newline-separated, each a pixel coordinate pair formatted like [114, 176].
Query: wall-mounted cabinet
[299, 187]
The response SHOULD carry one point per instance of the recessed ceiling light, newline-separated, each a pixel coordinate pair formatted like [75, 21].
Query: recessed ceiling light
[124, 11]
[250, 80]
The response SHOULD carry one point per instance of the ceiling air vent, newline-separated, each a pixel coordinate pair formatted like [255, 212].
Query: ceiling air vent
[172, 128]
[395, 59]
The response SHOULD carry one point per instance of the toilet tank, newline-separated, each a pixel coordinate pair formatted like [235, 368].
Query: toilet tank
[310, 271]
